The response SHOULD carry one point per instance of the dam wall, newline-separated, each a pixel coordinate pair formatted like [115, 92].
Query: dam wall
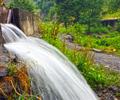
[26, 21]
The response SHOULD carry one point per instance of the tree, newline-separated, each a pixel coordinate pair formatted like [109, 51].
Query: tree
[114, 5]
[29, 5]
[90, 13]
[47, 7]
[82, 11]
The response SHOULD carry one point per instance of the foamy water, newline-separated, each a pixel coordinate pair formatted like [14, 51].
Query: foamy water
[53, 76]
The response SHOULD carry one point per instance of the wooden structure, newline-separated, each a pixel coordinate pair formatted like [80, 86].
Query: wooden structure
[111, 22]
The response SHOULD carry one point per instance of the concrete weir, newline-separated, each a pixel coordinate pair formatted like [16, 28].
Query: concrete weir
[24, 20]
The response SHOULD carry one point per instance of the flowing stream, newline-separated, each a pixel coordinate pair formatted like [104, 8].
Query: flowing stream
[52, 75]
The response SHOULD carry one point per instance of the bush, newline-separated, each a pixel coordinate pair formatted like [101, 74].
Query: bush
[102, 42]
[99, 30]
[79, 28]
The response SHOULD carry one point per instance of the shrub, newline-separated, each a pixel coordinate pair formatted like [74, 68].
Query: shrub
[100, 30]
[118, 26]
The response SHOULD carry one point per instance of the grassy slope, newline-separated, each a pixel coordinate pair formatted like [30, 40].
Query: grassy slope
[96, 75]
[109, 43]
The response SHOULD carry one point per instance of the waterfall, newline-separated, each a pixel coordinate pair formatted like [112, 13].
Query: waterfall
[52, 75]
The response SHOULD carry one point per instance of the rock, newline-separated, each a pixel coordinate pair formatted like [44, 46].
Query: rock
[67, 38]
[3, 71]
[4, 58]
[98, 36]
[109, 93]
[107, 66]
[109, 97]
[3, 55]
[96, 50]
[113, 89]
[108, 37]
[5, 85]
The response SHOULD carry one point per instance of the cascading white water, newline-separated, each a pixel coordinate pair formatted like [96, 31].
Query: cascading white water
[11, 33]
[53, 76]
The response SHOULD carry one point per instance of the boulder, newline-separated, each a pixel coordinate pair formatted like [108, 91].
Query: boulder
[3, 71]
[67, 38]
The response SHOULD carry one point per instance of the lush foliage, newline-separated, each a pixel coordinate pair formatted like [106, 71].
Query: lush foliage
[96, 75]
[29, 5]
[82, 11]
[114, 5]
[103, 38]
[71, 11]
[78, 17]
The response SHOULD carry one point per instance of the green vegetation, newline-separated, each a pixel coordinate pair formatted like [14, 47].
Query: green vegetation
[111, 16]
[81, 19]
[96, 75]
[29, 5]
[103, 38]
[18, 81]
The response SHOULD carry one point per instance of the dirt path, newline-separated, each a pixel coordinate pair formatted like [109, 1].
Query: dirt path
[108, 60]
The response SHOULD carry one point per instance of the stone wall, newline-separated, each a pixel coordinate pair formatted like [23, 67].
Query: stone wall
[24, 20]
